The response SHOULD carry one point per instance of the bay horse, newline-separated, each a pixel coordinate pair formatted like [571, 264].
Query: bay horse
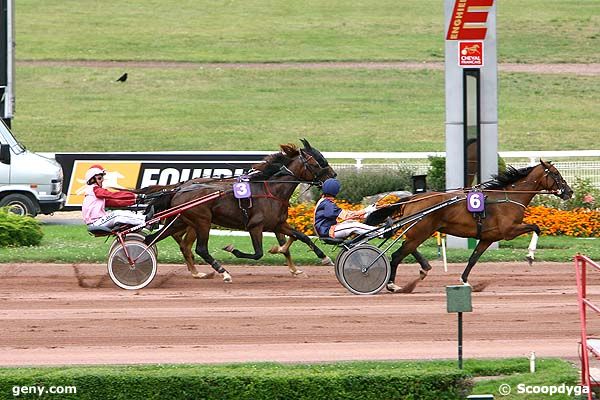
[506, 197]
[272, 185]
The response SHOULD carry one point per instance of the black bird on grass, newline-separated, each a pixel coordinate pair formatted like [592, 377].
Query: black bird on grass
[123, 78]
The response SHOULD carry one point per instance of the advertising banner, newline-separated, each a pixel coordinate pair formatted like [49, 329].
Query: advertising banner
[137, 170]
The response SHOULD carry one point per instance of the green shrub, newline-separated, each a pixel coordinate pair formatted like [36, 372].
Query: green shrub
[253, 382]
[18, 230]
[585, 195]
[436, 176]
[357, 184]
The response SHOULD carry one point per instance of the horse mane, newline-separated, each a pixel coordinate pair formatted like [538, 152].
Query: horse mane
[510, 176]
[272, 163]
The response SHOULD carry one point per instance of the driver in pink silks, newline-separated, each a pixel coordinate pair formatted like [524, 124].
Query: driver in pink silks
[96, 198]
[332, 221]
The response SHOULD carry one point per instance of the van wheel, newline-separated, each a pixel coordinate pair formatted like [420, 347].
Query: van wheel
[19, 204]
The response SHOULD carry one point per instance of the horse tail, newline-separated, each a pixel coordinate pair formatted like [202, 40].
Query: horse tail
[161, 200]
[159, 196]
[379, 216]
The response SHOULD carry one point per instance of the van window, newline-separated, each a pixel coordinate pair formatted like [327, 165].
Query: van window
[6, 136]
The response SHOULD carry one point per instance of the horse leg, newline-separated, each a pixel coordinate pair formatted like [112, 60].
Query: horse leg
[423, 262]
[285, 244]
[256, 236]
[479, 250]
[202, 250]
[408, 247]
[185, 240]
[533, 246]
[519, 229]
[287, 230]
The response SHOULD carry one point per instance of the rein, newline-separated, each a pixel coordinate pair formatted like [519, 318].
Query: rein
[463, 190]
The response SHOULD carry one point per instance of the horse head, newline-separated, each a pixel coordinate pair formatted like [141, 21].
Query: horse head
[553, 180]
[310, 165]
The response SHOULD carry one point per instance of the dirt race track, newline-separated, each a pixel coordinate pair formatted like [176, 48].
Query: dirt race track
[48, 316]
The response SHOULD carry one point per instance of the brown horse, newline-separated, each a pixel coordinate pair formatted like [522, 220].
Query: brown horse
[506, 197]
[272, 185]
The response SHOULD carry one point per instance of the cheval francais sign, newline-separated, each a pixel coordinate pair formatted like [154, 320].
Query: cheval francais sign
[470, 54]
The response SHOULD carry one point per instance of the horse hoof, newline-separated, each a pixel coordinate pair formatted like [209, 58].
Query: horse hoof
[529, 260]
[297, 272]
[227, 278]
[274, 250]
[422, 274]
[229, 248]
[327, 261]
[202, 275]
[392, 287]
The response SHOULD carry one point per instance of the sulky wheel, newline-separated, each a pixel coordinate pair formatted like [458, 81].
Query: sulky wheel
[364, 269]
[338, 259]
[134, 236]
[132, 265]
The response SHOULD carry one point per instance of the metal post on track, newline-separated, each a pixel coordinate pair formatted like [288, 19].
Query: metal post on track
[460, 340]
[458, 300]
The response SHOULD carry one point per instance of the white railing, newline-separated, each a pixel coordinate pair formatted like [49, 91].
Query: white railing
[572, 163]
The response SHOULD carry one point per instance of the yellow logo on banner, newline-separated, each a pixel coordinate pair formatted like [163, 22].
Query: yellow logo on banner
[119, 175]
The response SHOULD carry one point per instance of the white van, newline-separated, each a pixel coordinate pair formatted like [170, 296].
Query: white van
[29, 183]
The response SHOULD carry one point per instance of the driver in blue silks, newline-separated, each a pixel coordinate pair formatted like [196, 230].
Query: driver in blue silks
[332, 221]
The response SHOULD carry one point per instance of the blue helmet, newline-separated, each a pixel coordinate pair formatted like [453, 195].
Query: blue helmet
[331, 186]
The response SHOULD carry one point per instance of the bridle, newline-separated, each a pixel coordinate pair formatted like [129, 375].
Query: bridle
[559, 181]
[316, 172]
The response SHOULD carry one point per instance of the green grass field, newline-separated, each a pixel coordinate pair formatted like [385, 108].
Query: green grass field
[83, 109]
[279, 30]
[72, 244]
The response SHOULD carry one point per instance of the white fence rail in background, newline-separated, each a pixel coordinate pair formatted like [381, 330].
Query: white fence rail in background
[577, 163]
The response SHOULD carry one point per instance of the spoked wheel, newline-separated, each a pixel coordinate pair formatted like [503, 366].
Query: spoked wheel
[140, 237]
[364, 269]
[338, 259]
[131, 265]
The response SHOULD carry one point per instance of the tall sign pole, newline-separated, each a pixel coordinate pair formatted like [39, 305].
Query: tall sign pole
[7, 60]
[471, 95]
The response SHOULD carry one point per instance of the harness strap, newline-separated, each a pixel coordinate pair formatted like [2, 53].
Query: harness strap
[270, 195]
[507, 200]
[478, 218]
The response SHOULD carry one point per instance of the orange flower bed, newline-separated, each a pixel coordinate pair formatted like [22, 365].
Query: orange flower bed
[579, 222]
[300, 216]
